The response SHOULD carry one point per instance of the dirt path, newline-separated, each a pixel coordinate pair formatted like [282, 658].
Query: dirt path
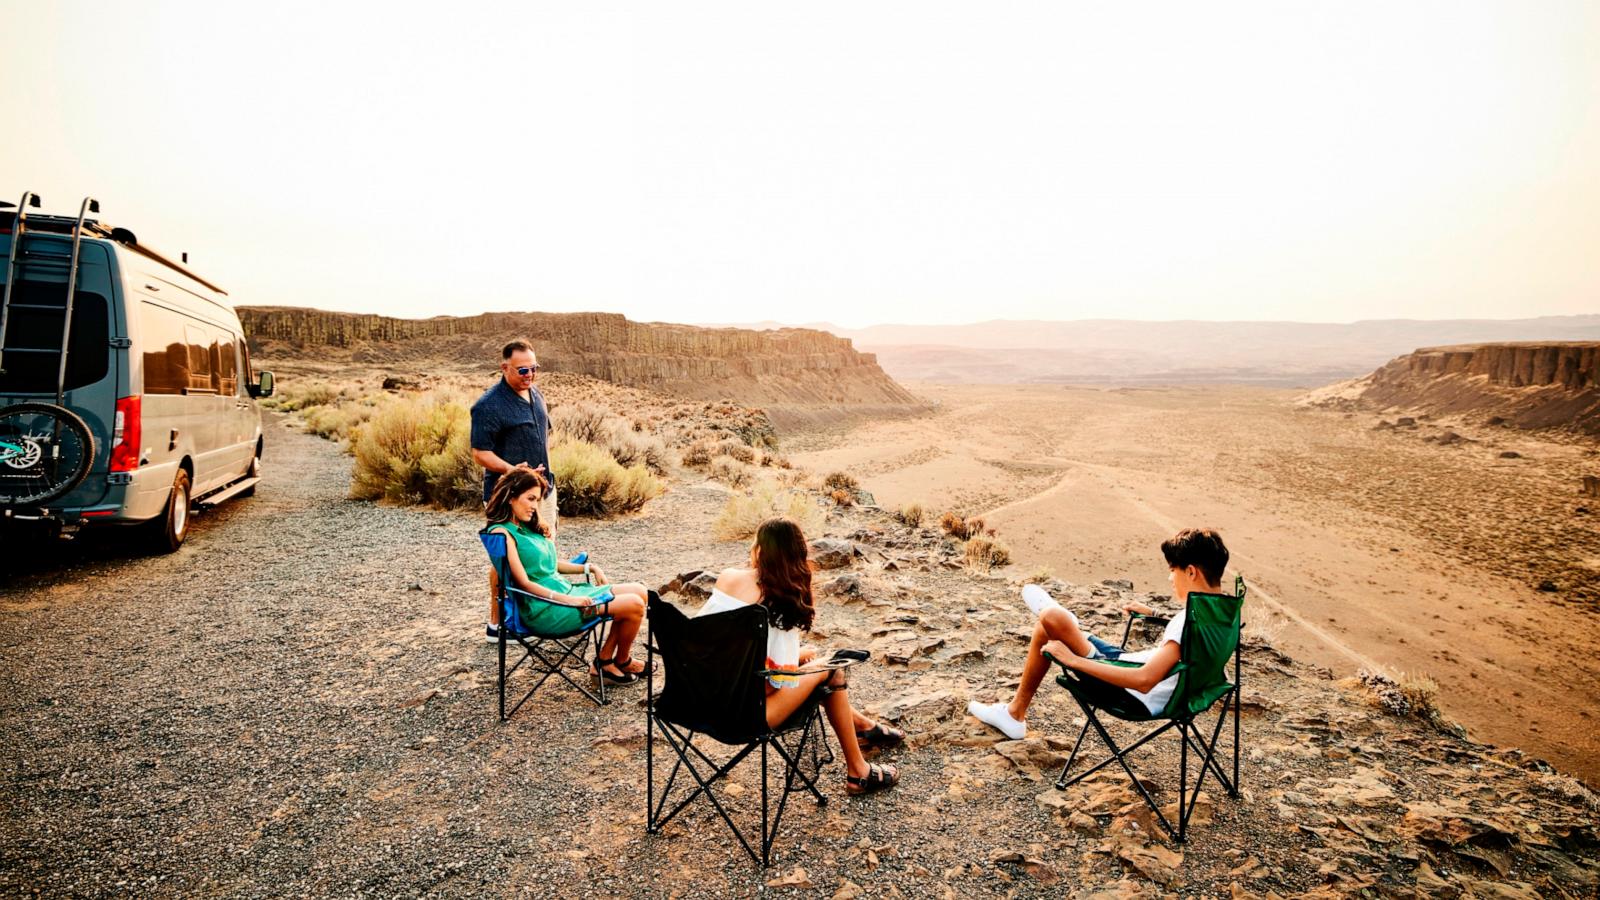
[1374, 547]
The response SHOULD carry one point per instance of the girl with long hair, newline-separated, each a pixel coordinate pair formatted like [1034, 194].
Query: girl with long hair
[779, 578]
[513, 510]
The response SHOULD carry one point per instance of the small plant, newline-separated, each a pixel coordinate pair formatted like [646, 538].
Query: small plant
[417, 451]
[843, 497]
[1408, 696]
[910, 515]
[959, 528]
[304, 396]
[976, 526]
[736, 450]
[698, 454]
[582, 422]
[1040, 575]
[731, 473]
[593, 483]
[841, 481]
[983, 553]
[744, 513]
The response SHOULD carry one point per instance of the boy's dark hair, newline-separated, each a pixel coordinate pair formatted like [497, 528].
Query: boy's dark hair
[514, 346]
[1198, 547]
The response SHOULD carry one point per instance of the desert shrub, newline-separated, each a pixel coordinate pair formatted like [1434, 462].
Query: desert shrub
[843, 498]
[910, 515]
[631, 448]
[1408, 696]
[338, 422]
[583, 422]
[417, 451]
[976, 527]
[1040, 575]
[840, 481]
[736, 450]
[744, 513]
[698, 454]
[302, 396]
[984, 553]
[953, 525]
[731, 473]
[593, 483]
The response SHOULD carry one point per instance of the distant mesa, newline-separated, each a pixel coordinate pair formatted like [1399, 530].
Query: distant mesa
[1534, 385]
[798, 374]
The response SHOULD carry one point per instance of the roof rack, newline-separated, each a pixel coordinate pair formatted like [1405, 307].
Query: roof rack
[66, 225]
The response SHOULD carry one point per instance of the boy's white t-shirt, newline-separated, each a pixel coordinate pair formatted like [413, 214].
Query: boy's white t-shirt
[1156, 699]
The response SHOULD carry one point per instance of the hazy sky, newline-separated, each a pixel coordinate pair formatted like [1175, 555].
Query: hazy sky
[852, 162]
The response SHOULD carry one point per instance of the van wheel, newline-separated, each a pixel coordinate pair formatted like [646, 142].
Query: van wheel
[253, 472]
[168, 530]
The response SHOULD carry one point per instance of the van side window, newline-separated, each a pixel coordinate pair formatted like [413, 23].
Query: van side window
[200, 370]
[166, 353]
[37, 325]
[227, 365]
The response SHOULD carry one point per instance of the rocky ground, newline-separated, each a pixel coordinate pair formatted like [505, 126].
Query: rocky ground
[299, 703]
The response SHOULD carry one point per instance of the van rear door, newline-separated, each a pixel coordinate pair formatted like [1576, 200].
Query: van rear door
[34, 323]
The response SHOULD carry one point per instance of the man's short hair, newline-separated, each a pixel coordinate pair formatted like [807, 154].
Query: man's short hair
[1198, 547]
[514, 346]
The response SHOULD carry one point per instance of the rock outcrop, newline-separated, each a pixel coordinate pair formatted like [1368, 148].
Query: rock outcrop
[1528, 385]
[789, 369]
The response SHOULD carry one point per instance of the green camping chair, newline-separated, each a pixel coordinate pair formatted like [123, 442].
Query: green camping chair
[1210, 636]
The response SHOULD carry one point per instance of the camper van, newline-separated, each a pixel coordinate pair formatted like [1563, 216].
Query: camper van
[126, 392]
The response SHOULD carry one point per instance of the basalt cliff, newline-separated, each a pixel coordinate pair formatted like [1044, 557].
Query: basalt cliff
[794, 372]
[1545, 385]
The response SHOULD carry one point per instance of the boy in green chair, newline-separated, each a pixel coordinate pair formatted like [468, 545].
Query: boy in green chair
[1197, 558]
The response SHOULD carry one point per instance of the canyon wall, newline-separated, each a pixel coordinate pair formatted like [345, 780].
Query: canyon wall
[794, 368]
[1529, 385]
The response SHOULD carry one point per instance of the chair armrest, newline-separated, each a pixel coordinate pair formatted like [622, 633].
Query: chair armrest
[538, 599]
[1133, 617]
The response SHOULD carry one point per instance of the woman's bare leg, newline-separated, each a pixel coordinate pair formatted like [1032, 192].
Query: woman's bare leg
[627, 614]
[782, 704]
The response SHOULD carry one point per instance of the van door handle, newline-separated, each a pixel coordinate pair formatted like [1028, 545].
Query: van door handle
[172, 440]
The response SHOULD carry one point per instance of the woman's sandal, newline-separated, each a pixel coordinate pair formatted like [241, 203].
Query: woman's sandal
[880, 736]
[878, 778]
[647, 668]
[600, 673]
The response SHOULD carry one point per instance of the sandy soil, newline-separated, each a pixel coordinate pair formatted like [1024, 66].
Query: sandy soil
[1367, 548]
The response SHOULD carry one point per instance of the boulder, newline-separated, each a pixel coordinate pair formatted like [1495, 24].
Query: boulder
[695, 585]
[831, 553]
[847, 586]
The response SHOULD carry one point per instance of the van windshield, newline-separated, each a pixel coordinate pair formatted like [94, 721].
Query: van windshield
[33, 323]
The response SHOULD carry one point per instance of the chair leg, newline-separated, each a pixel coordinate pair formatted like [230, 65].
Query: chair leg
[502, 679]
[705, 786]
[1119, 754]
[1061, 783]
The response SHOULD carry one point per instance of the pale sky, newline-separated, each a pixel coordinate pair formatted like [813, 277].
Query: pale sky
[852, 162]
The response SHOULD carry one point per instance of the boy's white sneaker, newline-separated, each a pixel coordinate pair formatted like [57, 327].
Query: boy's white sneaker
[1037, 598]
[996, 716]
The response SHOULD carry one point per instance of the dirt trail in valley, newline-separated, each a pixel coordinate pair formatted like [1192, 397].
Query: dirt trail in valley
[1366, 548]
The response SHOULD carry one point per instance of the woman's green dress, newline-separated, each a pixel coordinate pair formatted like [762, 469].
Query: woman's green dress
[538, 555]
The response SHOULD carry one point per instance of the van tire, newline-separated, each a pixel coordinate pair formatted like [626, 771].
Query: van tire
[167, 531]
[253, 472]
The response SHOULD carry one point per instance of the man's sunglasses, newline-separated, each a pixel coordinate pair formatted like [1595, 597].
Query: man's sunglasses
[525, 371]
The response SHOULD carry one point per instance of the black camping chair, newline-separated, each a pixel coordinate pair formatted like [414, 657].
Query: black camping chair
[545, 654]
[715, 686]
[1211, 630]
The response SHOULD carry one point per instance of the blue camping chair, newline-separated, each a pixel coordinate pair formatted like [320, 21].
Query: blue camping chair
[545, 654]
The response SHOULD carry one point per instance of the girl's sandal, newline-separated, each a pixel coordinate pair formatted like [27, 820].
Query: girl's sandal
[880, 736]
[878, 778]
[645, 669]
[600, 673]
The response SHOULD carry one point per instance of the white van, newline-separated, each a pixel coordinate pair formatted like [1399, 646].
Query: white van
[126, 392]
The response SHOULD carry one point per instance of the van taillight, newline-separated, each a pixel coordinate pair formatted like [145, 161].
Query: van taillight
[125, 436]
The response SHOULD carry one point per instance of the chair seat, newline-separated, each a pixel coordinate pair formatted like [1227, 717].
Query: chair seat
[535, 636]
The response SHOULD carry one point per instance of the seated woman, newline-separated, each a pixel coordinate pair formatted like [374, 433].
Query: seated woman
[779, 578]
[513, 510]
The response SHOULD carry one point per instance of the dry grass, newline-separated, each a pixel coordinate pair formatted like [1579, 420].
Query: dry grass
[1040, 575]
[417, 451]
[842, 497]
[910, 515]
[744, 513]
[985, 554]
[840, 481]
[1406, 695]
[593, 483]
[294, 397]
[340, 422]
[698, 454]
[729, 472]
[625, 439]
[735, 450]
[963, 529]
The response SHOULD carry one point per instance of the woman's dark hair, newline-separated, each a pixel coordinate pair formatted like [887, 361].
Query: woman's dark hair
[1198, 547]
[512, 485]
[783, 572]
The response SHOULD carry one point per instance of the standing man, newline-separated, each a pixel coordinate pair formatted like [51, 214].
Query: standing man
[510, 429]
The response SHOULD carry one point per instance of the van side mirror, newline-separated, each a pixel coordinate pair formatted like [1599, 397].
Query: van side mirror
[263, 386]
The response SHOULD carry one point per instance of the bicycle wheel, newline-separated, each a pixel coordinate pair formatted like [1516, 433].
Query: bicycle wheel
[45, 451]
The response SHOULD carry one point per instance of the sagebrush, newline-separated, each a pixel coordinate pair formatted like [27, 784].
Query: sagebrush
[744, 513]
[986, 553]
[417, 451]
[591, 482]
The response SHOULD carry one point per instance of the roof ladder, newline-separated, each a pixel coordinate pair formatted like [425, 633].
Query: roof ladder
[29, 198]
[89, 205]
